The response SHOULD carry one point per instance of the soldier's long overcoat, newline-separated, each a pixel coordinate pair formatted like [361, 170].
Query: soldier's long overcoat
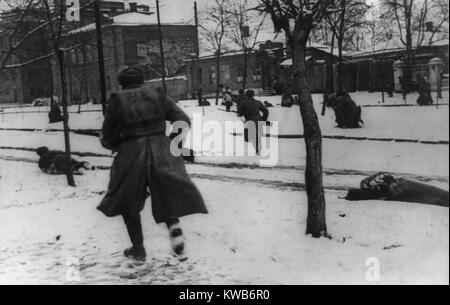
[134, 127]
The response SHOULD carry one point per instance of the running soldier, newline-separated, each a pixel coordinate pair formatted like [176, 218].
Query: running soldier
[134, 127]
[251, 110]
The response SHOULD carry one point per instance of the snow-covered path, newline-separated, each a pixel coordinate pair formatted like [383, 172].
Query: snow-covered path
[253, 234]
[363, 156]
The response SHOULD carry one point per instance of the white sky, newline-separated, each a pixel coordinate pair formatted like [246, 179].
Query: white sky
[178, 10]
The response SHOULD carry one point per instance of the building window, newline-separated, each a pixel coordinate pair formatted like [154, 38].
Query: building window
[240, 77]
[257, 74]
[225, 74]
[212, 75]
[142, 49]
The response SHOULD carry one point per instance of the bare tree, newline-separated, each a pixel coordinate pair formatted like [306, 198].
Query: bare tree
[378, 32]
[214, 29]
[56, 30]
[14, 33]
[43, 15]
[245, 26]
[350, 15]
[297, 19]
[438, 21]
[410, 16]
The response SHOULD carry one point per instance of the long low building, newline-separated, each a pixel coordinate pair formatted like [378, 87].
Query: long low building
[269, 62]
[362, 71]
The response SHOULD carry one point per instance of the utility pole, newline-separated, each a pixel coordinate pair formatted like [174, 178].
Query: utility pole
[161, 47]
[197, 42]
[196, 60]
[101, 57]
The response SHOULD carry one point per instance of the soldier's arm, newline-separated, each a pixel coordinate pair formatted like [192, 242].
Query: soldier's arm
[174, 113]
[110, 137]
[264, 110]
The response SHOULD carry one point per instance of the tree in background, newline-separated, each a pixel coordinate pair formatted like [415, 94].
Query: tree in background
[297, 19]
[378, 32]
[438, 21]
[55, 18]
[245, 26]
[410, 18]
[214, 27]
[34, 17]
[346, 22]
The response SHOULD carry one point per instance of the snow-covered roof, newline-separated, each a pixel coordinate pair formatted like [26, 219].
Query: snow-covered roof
[398, 49]
[180, 77]
[288, 62]
[127, 19]
[209, 55]
[326, 48]
[321, 47]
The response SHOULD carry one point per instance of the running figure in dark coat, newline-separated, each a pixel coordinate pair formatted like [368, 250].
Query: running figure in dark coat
[251, 110]
[134, 127]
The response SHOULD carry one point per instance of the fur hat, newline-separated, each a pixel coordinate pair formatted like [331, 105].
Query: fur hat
[130, 76]
[42, 150]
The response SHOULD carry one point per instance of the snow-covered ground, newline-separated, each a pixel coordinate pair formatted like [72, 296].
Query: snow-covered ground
[414, 122]
[254, 233]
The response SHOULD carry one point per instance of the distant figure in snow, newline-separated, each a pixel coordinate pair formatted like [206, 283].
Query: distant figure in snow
[200, 96]
[228, 99]
[389, 87]
[267, 104]
[424, 89]
[385, 186]
[348, 114]
[55, 113]
[278, 86]
[254, 112]
[53, 162]
[205, 103]
[287, 100]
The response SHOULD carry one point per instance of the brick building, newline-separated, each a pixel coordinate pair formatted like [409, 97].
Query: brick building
[25, 78]
[130, 39]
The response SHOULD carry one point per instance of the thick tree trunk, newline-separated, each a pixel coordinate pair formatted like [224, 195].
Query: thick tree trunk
[69, 174]
[316, 222]
[217, 77]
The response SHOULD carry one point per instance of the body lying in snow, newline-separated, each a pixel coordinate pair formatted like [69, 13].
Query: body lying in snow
[53, 162]
[385, 186]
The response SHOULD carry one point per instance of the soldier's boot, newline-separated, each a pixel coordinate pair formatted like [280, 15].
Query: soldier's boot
[136, 253]
[176, 238]
[134, 227]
